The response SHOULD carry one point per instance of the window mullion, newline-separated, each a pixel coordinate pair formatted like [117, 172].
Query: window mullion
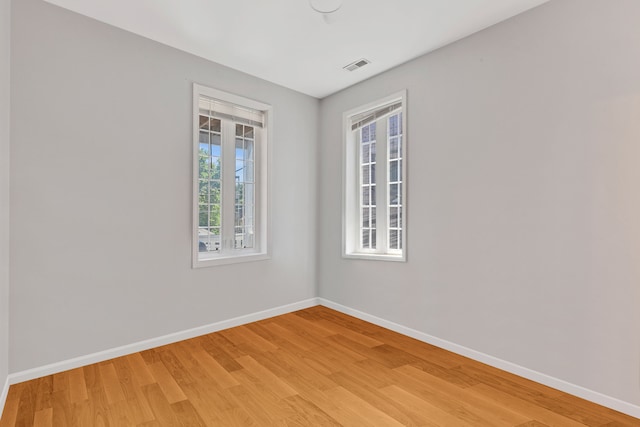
[382, 214]
[228, 185]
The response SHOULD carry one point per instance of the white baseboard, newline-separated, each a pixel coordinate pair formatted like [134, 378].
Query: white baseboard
[593, 396]
[3, 396]
[100, 356]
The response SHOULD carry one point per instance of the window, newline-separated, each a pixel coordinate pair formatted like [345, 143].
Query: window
[230, 202]
[374, 224]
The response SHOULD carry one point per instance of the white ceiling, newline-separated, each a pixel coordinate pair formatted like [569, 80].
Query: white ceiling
[286, 42]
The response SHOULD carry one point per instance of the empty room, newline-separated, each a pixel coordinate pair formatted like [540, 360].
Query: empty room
[320, 212]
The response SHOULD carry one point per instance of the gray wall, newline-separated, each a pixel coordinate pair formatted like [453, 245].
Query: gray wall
[524, 209]
[5, 30]
[101, 191]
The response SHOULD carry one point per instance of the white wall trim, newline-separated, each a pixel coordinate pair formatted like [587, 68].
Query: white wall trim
[5, 393]
[576, 390]
[100, 356]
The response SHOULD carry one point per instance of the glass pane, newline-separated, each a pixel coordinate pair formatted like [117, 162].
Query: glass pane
[214, 215]
[248, 150]
[204, 137]
[399, 194]
[203, 219]
[365, 175]
[373, 239]
[239, 131]
[400, 217]
[365, 153]
[393, 217]
[400, 146]
[215, 125]
[393, 171]
[204, 122]
[393, 239]
[239, 238]
[365, 134]
[239, 148]
[373, 152]
[393, 148]
[373, 218]
[372, 131]
[204, 149]
[239, 171]
[215, 145]
[365, 195]
[373, 174]
[393, 194]
[365, 239]
[248, 171]
[248, 132]
[215, 167]
[249, 198]
[400, 123]
[373, 195]
[365, 217]
[393, 125]
[239, 193]
[248, 238]
[214, 191]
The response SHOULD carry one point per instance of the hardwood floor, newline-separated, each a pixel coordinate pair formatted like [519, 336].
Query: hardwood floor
[314, 367]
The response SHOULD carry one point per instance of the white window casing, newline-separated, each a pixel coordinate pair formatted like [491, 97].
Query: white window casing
[231, 151]
[375, 180]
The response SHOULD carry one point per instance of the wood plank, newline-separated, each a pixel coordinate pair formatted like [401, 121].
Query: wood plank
[172, 391]
[43, 418]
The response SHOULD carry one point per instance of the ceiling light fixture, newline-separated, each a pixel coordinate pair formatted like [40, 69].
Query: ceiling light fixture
[326, 8]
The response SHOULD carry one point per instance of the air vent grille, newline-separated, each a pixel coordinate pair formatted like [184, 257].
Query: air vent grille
[357, 64]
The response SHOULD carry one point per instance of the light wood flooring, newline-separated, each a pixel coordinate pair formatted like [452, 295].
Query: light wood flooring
[314, 367]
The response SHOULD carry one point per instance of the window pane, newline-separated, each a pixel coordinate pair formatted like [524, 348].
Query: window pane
[365, 195]
[248, 149]
[215, 167]
[365, 217]
[393, 217]
[393, 171]
[239, 148]
[204, 137]
[365, 239]
[393, 239]
[215, 125]
[393, 194]
[373, 173]
[373, 152]
[365, 152]
[372, 131]
[373, 239]
[393, 125]
[239, 131]
[215, 145]
[365, 134]
[365, 174]
[393, 148]
[204, 122]
[248, 171]
[248, 132]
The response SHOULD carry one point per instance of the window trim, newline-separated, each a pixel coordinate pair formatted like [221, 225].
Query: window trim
[351, 182]
[262, 166]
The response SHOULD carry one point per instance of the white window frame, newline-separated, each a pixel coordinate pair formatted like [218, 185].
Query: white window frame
[351, 215]
[262, 156]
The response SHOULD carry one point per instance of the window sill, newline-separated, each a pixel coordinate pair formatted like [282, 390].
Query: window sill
[229, 259]
[376, 257]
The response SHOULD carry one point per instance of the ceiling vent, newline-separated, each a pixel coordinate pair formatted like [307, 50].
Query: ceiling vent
[358, 64]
